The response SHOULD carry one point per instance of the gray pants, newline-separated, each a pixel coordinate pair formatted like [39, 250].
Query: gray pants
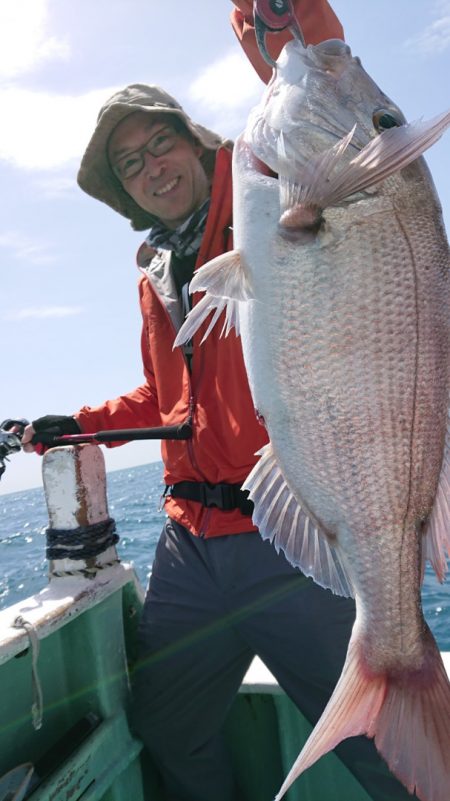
[211, 606]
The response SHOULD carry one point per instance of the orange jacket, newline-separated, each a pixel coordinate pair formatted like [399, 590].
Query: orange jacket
[216, 393]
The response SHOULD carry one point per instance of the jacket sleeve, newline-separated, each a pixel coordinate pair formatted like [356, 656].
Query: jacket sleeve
[136, 409]
[317, 21]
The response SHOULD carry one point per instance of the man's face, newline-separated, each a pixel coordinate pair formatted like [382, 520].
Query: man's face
[171, 185]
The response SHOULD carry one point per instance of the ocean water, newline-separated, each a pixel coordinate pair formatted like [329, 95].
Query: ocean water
[133, 501]
[133, 498]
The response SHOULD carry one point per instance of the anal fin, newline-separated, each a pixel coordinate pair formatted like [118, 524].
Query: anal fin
[290, 526]
[436, 538]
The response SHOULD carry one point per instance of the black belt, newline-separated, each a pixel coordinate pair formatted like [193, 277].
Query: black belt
[223, 496]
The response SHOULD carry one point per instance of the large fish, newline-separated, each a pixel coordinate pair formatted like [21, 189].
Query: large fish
[339, 287]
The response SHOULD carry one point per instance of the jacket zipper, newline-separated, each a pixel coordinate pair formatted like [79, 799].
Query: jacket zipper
[190, 447]
[192, 403]
[205, 523]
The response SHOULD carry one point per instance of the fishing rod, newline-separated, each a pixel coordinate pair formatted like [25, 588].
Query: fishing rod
[11, 441]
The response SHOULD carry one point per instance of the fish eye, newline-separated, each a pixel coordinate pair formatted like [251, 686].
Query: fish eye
[385, 118]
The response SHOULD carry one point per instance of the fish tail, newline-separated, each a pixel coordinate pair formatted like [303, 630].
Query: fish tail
[406, 712]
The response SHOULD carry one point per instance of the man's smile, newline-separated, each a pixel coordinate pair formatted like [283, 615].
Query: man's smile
[167, 187]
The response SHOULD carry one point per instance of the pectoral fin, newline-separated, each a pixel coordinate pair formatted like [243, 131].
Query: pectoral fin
[225, 284]
[326, 180]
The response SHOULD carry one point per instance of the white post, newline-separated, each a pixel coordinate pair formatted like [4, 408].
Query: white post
[75, 491]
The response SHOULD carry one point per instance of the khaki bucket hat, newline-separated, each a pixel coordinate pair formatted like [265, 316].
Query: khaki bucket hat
[95, 175]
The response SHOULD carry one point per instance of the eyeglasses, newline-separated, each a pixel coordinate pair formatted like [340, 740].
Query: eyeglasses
[158, 145]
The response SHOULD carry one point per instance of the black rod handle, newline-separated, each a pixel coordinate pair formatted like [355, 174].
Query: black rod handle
[181, 431]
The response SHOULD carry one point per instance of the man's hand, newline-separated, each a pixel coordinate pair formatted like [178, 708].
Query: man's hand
[49, 424]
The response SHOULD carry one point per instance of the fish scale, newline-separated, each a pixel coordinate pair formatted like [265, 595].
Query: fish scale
[333, 382]
[337, 457]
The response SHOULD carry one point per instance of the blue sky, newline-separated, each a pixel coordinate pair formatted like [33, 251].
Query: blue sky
[68, 307]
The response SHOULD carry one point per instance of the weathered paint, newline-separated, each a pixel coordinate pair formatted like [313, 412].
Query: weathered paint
[83, 673]
[75, 493]
[75, 486]
[63, 600]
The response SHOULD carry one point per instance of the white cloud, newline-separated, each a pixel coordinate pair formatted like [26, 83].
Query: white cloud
[42, 131]
[43, 313]
[435, 37]
[226, 91]
[24, 40]
[25, 249]
[227, 83]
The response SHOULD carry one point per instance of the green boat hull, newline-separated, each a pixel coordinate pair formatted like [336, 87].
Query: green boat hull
[84, 748]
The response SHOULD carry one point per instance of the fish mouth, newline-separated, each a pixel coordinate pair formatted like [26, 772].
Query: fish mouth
[332, 55]
[332, 47]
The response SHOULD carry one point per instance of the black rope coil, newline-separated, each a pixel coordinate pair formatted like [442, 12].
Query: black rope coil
[83, 542]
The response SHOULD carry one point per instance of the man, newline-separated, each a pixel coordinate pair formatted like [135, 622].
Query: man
[218, 594]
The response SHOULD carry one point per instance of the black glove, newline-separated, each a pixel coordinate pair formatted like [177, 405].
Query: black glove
[53, 425]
